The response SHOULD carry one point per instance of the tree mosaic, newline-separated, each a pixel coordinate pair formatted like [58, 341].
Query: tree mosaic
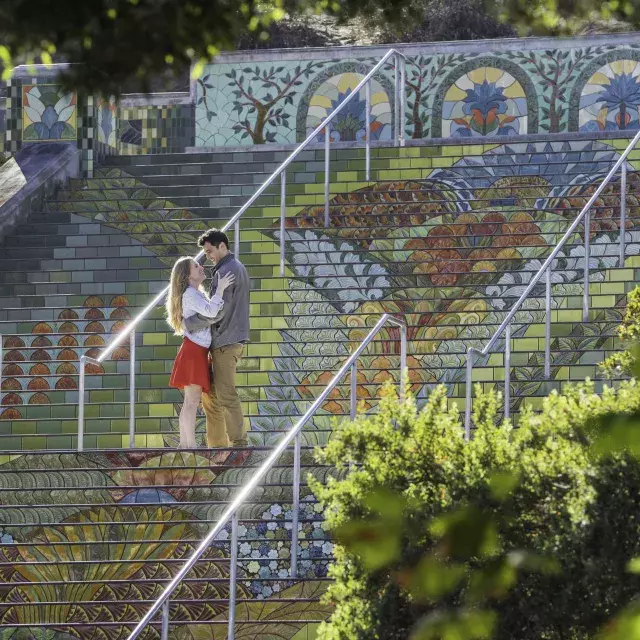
[554, 70]
[423, 76]
[258, 113]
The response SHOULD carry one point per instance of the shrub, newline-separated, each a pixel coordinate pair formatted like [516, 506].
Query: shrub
[567, 504]
[629, 332]
[445, 20]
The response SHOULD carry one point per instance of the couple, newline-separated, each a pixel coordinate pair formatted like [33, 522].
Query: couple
[214, 329]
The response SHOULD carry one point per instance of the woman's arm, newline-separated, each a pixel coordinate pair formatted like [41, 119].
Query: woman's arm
[194, 302]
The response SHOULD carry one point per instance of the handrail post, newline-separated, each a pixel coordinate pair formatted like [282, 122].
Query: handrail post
[81, 384]
[547, 326]
[507, 371]
[587, 249]
[367, 131]
[327, 160]
[233, 574]
[295, 512]
[396, 101]
[164, 633]
[468, 390]
[132, 390]
[231, 511]
[353, 401]
[402, 91]
[404, 372]
[623, 213]
[283, 213]
[236, 238]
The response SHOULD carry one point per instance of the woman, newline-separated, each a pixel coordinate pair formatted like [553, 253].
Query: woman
[191, 368]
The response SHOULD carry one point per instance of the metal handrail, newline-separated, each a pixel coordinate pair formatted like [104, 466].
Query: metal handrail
[505, 326]
[231, 512]
[399, 103]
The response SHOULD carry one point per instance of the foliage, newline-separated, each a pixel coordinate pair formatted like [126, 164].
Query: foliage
[527, 533]
[132, 43]
[296, 32]
[629, 332]
[446, 20]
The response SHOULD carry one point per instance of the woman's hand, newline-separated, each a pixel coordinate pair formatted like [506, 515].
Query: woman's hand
[224, 282]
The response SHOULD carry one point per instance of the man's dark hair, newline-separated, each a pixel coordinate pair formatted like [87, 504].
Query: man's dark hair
[214, 237]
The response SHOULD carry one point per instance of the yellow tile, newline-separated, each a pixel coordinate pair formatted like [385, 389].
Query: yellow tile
[161, 411]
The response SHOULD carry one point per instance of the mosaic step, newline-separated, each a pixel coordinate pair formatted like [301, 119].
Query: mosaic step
[447, 235]
[88, 541]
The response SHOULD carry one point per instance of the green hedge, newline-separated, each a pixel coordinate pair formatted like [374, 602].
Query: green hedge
[578, 510]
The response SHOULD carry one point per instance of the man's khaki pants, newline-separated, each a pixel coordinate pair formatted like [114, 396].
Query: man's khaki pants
[225, 422]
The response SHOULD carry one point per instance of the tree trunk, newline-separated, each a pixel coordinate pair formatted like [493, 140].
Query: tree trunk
[258, 133]
[418, 129]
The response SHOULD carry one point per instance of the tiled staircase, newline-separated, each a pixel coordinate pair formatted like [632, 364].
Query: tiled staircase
[447, 236]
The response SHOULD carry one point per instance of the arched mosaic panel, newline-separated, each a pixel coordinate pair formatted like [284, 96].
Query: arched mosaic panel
[486, 97]
[610, 99]
[484, 102]
[330, 89]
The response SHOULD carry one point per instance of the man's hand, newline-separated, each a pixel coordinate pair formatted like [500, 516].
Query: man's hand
[198, 322]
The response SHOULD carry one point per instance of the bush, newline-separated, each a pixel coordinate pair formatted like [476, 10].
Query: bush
[447, 20]
[288, 33]
[568, 505]
[629, 333]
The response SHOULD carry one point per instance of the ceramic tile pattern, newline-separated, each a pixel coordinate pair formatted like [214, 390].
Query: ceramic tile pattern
[448, 236]
[448, 95]
[337, 283]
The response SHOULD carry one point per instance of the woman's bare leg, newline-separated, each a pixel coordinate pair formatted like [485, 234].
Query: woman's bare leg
[187, 420]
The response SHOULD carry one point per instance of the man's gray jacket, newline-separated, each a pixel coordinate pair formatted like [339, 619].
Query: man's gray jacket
[231, 325]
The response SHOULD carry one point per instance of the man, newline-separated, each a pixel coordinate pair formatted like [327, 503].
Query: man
[230, 332]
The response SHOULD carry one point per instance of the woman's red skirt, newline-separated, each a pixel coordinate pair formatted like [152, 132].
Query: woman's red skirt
[191, 366]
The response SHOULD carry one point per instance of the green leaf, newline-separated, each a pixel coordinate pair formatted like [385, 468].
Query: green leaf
[625, 626]
[467, 533]
[492, 581]
[502, 484]
[457, 625]
[432, 578]
[376, 540]
[617, 432]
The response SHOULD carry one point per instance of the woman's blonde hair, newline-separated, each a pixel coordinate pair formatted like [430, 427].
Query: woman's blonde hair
[178, 284]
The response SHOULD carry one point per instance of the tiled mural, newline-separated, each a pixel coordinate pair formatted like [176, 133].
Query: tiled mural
[154, 129]
[463, 94]
[244, 99]
[423, 241]
[157, 528]
[420, 239]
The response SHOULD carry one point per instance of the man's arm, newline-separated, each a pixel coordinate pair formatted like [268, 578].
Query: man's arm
[197, 322]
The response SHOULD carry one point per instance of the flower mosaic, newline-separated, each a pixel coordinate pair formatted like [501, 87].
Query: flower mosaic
[48, 113]
[611, 98]
[485, 101]
[350, 124]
